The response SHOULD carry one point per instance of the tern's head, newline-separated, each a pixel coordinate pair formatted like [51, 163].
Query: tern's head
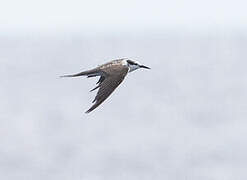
[133, 65]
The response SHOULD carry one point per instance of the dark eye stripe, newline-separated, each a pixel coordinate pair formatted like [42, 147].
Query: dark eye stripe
[131, 62]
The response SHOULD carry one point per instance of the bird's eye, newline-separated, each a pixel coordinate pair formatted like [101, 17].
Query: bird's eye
[130, 62]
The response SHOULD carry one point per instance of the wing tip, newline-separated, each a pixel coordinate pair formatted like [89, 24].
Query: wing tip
[88, 111]
[95, 88]
[94, 106]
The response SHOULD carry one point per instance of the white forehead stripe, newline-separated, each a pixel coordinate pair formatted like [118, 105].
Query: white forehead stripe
[136, 62]
[124, 62]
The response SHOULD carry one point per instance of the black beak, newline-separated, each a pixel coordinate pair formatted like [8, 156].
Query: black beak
[142, 66]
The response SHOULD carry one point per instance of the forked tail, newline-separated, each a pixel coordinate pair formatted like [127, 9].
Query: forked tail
[90, 73]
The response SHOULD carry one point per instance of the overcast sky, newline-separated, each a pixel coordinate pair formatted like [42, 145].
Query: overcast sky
[185, 119]
[128, 15]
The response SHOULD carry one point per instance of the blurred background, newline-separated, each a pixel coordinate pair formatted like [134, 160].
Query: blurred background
[185, 119]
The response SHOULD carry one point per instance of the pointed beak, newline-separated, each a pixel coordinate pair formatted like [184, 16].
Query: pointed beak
[142, 66]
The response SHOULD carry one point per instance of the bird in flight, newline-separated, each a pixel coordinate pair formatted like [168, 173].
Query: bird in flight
[111, 75]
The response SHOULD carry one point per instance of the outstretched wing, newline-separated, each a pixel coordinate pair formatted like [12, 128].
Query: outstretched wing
[112, 78]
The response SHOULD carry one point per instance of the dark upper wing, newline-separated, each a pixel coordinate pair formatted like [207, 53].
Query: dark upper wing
[112, 79]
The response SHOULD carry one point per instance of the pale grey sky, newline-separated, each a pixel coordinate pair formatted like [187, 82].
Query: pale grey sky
[185, 119]
[128, 15]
